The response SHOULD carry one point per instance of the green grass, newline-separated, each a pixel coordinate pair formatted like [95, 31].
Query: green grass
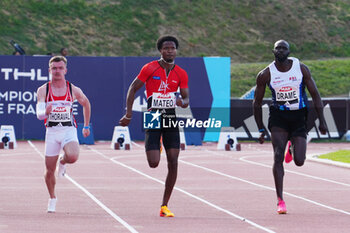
[331, 76]
[242, 30]
[340, 156]
[318, 32]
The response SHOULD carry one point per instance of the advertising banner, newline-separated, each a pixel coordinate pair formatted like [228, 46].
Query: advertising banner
[336, 113]
[105, 81]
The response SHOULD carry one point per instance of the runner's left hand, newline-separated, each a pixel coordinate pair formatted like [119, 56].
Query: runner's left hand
[86, 132]
[179, 102]
[262, 138]
[323, 128]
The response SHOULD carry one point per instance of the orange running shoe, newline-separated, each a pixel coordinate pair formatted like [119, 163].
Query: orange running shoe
[165, 212]
[288, 157]
[161, 147]
[281, 207]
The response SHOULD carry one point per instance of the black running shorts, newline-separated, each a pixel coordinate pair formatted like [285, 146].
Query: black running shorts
[294, 121]
[170, 136]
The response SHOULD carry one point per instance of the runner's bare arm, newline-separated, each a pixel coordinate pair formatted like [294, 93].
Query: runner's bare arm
[133, 88]
[184, 100]
[84, 101]
[42, 110]
[262, 80]
[316, 98]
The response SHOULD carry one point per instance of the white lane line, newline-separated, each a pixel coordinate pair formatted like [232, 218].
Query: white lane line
[294, 172]
[13, 154]
[137, 145]
[104, 207]
[185, 192]
[270, 188]
[286, 170]
[314, 158]
[264, 187]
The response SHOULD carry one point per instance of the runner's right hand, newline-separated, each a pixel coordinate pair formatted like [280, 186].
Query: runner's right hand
[124, 121]
[48, 108]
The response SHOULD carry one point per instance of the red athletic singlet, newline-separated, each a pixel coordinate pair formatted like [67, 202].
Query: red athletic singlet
[61, 114]
[161, 88]
[155, 78]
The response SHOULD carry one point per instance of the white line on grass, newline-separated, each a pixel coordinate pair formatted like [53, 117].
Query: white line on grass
[185, 192]
[98, 202]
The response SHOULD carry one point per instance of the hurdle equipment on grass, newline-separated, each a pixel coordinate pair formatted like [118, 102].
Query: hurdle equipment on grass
[7, 137]
[228, 140]
[121, 138]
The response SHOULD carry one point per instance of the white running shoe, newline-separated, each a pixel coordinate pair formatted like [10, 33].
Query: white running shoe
[61, 169]
[51, 206]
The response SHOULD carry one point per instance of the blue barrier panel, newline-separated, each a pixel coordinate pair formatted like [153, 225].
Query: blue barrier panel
[219, 75]
[105, 81]
[336, 112]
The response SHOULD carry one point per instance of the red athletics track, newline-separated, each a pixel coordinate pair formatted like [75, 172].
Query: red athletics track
[216, 191]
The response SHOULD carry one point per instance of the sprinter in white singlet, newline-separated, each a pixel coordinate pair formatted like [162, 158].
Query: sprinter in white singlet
[287, 79]
[55, 100]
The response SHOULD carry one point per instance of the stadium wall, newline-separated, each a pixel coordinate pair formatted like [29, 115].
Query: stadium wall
[336, 112]
[105, 81]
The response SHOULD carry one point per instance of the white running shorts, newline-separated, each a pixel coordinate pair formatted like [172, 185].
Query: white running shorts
[57, 137]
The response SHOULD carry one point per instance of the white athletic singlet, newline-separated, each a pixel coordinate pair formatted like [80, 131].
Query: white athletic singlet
[288, 90]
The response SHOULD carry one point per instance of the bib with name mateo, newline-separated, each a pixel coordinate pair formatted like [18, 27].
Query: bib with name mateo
[163, 101]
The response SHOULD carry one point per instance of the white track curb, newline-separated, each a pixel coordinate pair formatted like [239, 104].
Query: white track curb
[314, 158]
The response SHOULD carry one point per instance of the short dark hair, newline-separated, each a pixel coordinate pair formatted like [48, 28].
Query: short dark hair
[162, 39]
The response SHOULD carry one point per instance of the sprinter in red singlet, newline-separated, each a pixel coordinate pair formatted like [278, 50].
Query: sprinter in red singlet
[287, 79]
[162, 78]
[55, 100]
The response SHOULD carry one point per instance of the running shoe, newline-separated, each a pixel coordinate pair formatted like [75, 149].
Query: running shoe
[165, 212]
[288, 157]
[61, 169]
[51, 206]
[281, 207]
[161, 147]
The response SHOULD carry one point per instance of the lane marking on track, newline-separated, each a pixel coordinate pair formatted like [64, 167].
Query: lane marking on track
[270, 188]
[185, 192]
[294, 172]
[13, 154]
[98, 202]
[264, 187]
[137, 145]
[269, 166]
[314, 158]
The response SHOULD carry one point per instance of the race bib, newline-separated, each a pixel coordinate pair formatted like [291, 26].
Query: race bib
[286, 94]
[160, 100]
[61, 112]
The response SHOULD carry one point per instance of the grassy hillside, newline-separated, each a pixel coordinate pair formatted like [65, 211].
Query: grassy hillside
[243, 30]
[331, 76]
